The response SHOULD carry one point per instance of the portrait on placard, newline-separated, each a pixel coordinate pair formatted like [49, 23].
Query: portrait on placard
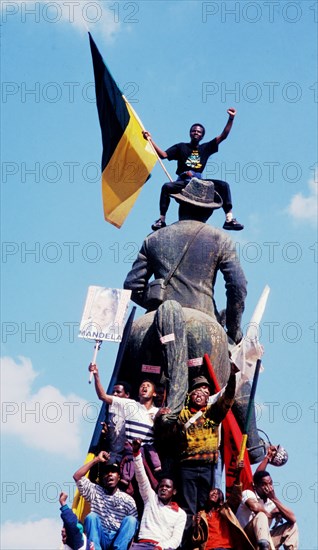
[104, 313]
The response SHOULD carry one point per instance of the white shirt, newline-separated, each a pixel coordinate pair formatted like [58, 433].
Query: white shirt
[244, 514]
[138, 419]
[159, 522]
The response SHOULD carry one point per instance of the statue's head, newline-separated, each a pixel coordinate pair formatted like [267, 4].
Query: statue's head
[198, 199]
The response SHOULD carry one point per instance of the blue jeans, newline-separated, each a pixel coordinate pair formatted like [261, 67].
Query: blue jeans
[118, 540]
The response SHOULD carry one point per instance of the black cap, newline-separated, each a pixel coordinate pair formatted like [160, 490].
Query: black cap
[111, 467]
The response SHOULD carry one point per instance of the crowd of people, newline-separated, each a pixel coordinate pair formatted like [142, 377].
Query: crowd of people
[185, 511]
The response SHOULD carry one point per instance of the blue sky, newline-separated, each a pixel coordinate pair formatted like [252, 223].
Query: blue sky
[178, 62]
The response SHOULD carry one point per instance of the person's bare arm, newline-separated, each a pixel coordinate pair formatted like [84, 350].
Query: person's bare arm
[283, 510]
[272, 449]
[161, 154]
[82, 471]
[256, 507]
[102, 395]
[231, 112]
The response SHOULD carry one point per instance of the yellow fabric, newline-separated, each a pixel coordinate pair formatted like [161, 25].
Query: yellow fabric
[126, 172]
[80, 506]
[201, 439]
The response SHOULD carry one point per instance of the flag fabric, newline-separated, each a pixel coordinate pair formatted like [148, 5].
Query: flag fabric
[127, 158]
[232, 438]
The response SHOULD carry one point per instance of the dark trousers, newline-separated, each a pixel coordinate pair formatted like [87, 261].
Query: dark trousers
[148, 453]
[196, 481]
[174, 187]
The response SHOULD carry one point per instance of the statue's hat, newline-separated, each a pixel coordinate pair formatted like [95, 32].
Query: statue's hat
[199, 193]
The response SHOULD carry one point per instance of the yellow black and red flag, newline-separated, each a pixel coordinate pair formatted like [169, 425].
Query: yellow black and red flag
[128, 158]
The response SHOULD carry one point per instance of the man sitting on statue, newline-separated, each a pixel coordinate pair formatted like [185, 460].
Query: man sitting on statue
[192, 158]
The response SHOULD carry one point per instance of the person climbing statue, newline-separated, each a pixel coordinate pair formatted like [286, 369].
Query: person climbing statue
[192, 158]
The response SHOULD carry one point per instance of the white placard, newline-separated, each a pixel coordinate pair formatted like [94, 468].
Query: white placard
[104, 314]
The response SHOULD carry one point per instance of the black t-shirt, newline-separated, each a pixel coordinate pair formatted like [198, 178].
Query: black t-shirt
[191, 158]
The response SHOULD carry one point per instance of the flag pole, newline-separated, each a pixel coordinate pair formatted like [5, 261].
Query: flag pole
[249, 410]
[159, 159]
[97, 346]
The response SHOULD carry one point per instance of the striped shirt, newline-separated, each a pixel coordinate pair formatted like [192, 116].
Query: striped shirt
[112, 509]
[138, 419]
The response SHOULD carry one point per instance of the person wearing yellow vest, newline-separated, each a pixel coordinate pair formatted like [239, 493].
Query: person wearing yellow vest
[199, 422]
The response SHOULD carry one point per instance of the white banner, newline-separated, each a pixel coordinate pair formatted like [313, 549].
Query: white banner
[246, 353]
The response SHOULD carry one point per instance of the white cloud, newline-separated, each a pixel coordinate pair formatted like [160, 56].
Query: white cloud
[46, 419]
[83, 16]
[31, 535]
[305, 208]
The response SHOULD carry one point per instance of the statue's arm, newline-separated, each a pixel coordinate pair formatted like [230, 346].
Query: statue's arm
[138, 277]
[235, 284]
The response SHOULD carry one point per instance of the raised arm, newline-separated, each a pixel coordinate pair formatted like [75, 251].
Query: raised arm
[102, 395]
[267, 458]
[161, 154]
[218, 410]
[141, 476]
[83, 470]
[235, 496]
[70, 521]
[231, 112]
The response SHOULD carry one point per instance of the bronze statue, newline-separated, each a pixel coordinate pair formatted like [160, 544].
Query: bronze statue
[184, 259]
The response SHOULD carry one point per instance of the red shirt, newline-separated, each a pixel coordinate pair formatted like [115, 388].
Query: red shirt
[219, 531]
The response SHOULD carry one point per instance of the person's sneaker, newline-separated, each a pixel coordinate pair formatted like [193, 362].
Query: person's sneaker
[233, 225]
[158, 224]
